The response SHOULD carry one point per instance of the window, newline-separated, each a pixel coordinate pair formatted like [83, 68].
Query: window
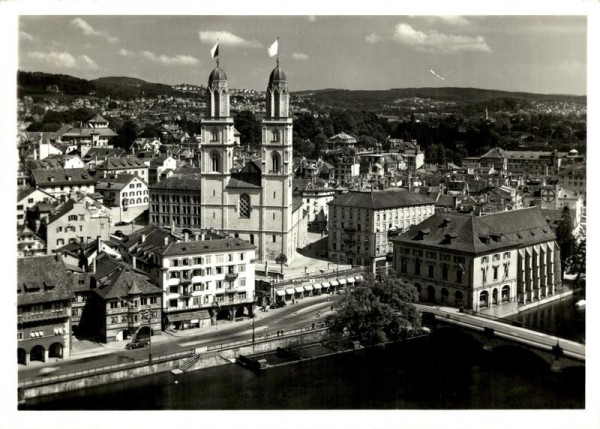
[20, 207]
[275, 136]
[403, 265]
[219, 284]
[274, 238]
[417, 267]
[153, 300]
[215, 160]
[214, 135]
[245, 206]
[430, 271]
[241, 256]
[459, 276]
[72, 217]
[496, 272]
[444, 272]
[173, 303]
[276, 162]
[113, 305]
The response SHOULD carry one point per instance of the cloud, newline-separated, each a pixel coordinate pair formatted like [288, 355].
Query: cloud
[438, 43]
[88, 30]
[26, 37]
[226, 38]
[299, 56]
[373, 38]
[126, 53]
[451, 20]
[176, 60]
[64, 60]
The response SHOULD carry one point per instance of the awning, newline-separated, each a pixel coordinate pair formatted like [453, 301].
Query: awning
[308, 287]
[334, 283]
[299, 289]
[342, 281]
[280, 293]
[289, 291]
[358, 278]
[202, 314]
[350, 279]
[317, 286]
[326, 284]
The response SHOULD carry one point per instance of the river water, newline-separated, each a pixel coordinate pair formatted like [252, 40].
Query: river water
[439, 372]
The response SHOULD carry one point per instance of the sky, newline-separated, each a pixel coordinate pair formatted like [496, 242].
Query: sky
[541, 54]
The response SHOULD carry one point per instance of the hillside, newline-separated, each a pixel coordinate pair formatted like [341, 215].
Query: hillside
[367, 100]
[30, 83]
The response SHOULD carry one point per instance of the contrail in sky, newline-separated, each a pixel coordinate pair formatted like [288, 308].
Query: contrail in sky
[437, 75]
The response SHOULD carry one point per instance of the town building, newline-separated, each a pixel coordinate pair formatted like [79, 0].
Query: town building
[490, 264]
[341, 141]
[347, 171]
[573, 177]
[61, 182]
[126, 304]
[27, 198]
[124, 194]
[176, 201]
[159, 168]
[204, 278]
[93, 133]
[360, 224]
[43, 309]
[113, 166]
[315, 196]
[80, 221]
[29, 243]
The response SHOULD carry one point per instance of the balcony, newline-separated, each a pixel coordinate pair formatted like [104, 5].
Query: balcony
[231, 276]
[44, 315]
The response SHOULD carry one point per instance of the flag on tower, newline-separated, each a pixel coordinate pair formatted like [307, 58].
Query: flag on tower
[214, 52]
[273, 48]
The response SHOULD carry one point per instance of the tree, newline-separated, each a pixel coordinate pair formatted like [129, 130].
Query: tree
[565, 240]
[377, 311]
[127, 134]
[281, 259]
[577, 261]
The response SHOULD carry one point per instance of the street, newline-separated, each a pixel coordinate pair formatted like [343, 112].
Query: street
[304, 312]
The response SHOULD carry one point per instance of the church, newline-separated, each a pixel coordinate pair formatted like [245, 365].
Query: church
[254, 203]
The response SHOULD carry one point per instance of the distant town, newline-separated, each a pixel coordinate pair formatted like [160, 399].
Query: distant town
[151, 214]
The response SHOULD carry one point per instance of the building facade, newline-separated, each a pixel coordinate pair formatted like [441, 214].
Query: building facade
[360, 224]
[176, 201]
[43, 309]
[491, 263]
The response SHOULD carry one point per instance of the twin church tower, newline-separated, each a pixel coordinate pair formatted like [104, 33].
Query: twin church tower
[256, 203]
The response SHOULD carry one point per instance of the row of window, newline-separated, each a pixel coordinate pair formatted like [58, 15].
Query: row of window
[201, 260]
[208, 271]
[155, 198]
[208, 299]
[135, 303]
[131, 318]
[204, 287]
[430, 270]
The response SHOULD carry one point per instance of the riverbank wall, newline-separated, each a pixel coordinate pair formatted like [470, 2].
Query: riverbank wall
[208, 357]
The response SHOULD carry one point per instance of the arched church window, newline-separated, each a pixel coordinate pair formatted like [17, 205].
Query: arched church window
[276, 162]
[275, 136]
[214, 136]
[215, 160]
[245, 206]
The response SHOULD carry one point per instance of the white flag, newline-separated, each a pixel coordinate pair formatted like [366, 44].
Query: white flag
[214, 52]
[273, 48]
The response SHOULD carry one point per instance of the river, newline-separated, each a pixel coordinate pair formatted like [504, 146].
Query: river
[438, 372]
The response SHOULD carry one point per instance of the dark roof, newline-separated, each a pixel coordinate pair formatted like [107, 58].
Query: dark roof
[296, 202]
[481, 234]
[60, 176]
[276, 76]
[62, 210]
[239, 183]
[117, 182]
[116, 163]
[86, 132]
[101, 152]
[42, 279]
[179, 181]
[206, 246]
[380, 199]
[122, 282]
[217, 74]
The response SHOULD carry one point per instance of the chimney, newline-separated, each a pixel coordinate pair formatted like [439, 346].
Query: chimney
[166, 240]
[143, 238]
[58, 256]
[94, 264]
[99, 244]
[133, 261]
[173, 227]
[186, 236]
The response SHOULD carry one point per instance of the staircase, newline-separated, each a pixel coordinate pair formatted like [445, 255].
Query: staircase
[186, 365]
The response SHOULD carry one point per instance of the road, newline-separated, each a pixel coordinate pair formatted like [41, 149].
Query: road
[293, 316]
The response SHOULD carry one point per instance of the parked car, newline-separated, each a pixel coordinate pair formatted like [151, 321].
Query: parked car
[138, 343]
